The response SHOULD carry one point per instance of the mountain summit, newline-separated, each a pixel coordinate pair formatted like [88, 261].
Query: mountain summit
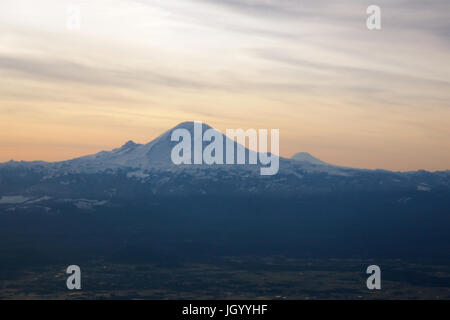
[308, 158]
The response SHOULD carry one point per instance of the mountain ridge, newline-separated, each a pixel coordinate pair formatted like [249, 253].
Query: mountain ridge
[156, 154]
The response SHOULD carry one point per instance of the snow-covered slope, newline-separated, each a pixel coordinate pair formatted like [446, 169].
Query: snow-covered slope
[153, 155]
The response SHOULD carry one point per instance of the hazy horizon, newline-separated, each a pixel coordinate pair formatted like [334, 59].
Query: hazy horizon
[134, 69]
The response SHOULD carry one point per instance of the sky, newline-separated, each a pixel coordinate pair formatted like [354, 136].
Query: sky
[133, 69]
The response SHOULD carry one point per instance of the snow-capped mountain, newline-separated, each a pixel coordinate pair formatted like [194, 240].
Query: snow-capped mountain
[156, 155]
[149, 168]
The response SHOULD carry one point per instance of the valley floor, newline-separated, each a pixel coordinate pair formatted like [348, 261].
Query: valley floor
[233, 278]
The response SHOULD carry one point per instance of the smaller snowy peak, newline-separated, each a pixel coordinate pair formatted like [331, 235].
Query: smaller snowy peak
[128, 147]
[306, 157]
[129, 144]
